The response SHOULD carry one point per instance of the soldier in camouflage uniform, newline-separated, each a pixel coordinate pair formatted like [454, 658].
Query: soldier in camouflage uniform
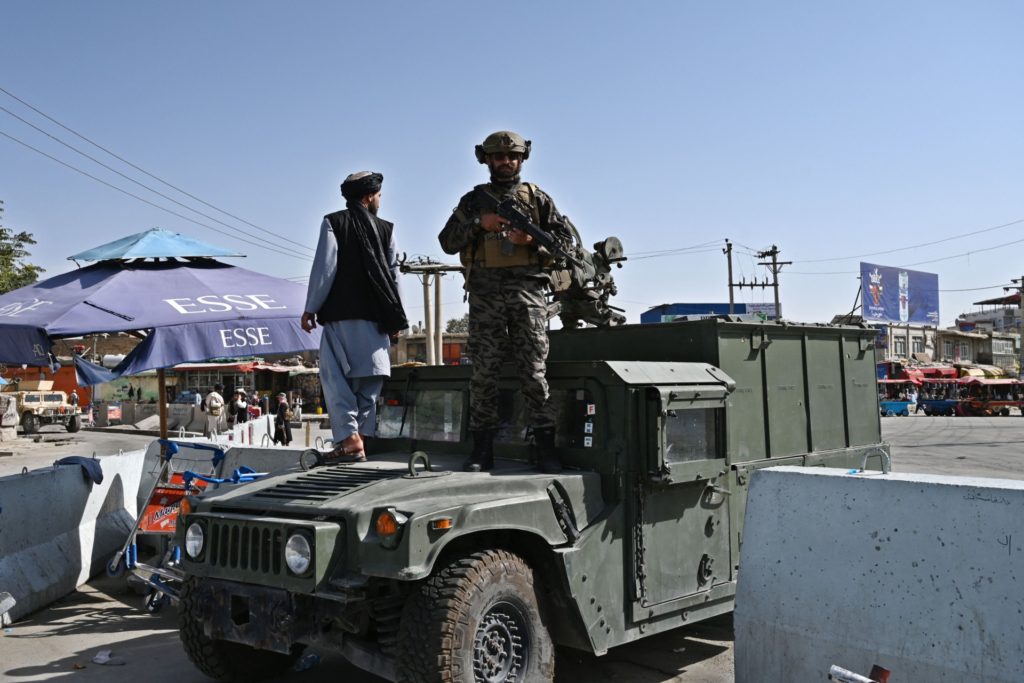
[507, 283]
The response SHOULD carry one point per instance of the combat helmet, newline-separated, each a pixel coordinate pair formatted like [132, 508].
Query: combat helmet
[503, 141]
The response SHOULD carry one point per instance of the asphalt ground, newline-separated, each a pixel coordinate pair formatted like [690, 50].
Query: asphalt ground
[60, 642]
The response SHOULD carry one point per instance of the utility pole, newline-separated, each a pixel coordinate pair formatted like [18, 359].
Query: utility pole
[728, 257]
[776, 267]
[433, 333]
[424, 277]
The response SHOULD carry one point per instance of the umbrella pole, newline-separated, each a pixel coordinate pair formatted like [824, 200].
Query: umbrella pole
[161, 379]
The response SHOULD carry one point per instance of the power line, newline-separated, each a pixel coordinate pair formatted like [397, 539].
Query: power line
[679, 252]
[146, 201]
[916, 246]
[141, 170]
[142, 185]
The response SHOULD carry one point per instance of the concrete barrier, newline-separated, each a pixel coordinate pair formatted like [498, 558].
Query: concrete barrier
[57, 528]
[920, 574]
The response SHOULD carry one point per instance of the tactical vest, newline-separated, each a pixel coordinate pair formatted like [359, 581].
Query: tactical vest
[494, 249]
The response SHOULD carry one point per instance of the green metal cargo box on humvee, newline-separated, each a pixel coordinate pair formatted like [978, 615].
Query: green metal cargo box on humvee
[434, 574]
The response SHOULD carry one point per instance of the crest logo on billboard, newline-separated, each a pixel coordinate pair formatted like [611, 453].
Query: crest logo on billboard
[875, 287]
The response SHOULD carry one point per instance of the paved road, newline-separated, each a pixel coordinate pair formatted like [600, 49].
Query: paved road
[106, 614]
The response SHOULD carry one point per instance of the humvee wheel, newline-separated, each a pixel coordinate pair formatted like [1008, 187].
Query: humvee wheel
[30, 423]
[74, 423]
[478, 619]
[222, 659]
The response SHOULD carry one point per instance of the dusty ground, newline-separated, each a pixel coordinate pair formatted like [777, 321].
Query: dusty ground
[60, 642]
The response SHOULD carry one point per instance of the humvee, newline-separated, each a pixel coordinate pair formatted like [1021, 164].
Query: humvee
[420, 572]
[38, 405]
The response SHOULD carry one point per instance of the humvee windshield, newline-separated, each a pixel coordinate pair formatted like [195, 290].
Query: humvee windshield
[439, 414]
[32, 398]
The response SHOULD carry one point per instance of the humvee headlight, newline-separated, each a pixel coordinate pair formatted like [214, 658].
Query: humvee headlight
[388, 526]
[297, 554]
[194, 540]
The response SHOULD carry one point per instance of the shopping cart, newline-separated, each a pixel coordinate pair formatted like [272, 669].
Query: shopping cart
[160, 517]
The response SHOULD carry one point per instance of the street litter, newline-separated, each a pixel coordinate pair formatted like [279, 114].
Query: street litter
[104, 657]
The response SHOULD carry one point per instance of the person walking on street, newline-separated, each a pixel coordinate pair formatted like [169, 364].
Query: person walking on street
[353, 293]
[507, 284]
[214, 406]
[282, 421]
[240, 407]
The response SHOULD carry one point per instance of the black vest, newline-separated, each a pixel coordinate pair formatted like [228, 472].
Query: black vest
[352, 296]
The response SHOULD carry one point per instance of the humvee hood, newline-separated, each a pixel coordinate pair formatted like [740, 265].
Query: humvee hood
[341, 489]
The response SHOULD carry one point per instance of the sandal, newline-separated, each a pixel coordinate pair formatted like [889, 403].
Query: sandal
[340, 455]
[349, 450]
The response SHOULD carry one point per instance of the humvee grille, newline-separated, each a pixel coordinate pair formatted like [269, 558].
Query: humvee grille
[250, 547]
[325, 483]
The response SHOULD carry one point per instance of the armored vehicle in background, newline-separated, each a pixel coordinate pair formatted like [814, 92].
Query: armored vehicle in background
[39, 405]
[420, 572]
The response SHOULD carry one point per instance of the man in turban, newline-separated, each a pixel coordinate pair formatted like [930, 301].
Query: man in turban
[353, 294]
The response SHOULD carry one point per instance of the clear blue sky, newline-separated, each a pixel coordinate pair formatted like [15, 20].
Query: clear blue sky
[832, 129]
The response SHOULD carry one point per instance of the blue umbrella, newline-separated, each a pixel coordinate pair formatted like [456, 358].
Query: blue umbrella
[153, 243]
[188, 311]
[187, 307]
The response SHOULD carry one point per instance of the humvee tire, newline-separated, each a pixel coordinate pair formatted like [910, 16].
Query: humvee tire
[74, 423]
[29, 423]
[222, 659]
[476, 619]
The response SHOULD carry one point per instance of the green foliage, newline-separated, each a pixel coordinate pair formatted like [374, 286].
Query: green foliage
[15, 272]
[458, 325]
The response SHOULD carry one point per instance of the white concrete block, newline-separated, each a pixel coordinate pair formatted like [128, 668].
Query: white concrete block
[920, 574]
[57, 528]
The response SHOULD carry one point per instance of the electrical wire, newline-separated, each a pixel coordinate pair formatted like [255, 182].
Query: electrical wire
[673, 253]
[146, 201]
[916, 246]
[143, 185]
[141, 170]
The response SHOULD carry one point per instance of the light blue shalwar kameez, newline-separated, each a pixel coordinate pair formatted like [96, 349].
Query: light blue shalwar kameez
[354, 357]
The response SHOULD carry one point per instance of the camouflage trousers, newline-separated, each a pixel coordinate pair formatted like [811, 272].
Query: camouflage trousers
[508, 322]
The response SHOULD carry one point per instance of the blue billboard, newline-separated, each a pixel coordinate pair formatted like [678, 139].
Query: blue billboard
[899, 295]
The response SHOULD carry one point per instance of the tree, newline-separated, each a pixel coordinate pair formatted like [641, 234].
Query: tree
[456, 325]
[15, 272]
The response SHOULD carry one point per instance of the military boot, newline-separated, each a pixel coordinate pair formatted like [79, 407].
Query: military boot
[482, 457]
[548, 461]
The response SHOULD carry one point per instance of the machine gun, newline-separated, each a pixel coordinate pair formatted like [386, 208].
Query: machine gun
[580, 295]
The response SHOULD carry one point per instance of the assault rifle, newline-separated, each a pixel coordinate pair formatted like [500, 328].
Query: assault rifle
[508, 208]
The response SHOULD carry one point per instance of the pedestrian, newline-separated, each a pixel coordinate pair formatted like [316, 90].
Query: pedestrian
[264, 403]
[353, 293]
[282, 421]
[506, 281]
[73, 398]
[297, 405]
[131, 393]
[240, 407]
[214, 407]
